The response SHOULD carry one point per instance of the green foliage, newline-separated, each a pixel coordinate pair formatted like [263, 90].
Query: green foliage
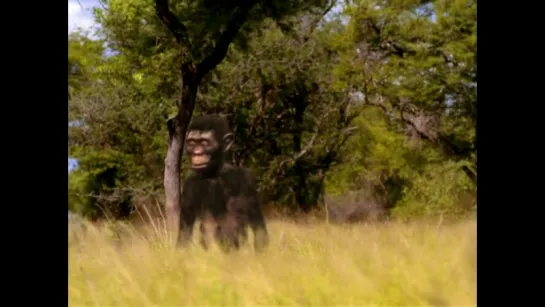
[77, 199]
[380, 99]
[120, 141]
[375, 153]
[421, 74]
[437, 190]
[97, 187]
[83, 57]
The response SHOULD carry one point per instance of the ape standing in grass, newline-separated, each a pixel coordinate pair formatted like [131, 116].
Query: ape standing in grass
[224, 197]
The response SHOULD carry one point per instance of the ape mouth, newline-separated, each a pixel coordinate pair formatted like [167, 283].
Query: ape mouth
[202, 165]
[199, 161]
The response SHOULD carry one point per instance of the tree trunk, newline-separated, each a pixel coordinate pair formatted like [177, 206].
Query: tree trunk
[177, 129]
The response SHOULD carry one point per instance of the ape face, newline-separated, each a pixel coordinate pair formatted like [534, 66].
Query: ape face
[209, 137]
[203, 149]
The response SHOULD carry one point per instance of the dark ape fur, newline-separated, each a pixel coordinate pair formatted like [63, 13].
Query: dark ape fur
[222, 196]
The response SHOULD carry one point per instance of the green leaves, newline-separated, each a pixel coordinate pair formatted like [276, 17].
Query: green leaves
[383, 94]
[84, 56]
[419, 72]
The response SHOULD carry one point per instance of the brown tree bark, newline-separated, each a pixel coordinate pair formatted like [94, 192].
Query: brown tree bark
[177, 128]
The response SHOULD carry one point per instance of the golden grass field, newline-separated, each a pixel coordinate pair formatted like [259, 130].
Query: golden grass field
[395, 264]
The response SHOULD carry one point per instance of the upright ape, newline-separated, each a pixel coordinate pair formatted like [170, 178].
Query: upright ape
[224, 197]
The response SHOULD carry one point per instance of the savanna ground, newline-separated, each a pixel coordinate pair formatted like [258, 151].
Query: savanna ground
[314, 264]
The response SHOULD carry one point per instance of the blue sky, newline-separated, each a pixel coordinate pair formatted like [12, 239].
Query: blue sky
[80, 14]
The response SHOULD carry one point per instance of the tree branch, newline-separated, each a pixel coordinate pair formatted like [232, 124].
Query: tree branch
[222, 43]
[317, 20]
[175, 27]
[333, 150]
[329, 7]
[300, 154]
[448, 146]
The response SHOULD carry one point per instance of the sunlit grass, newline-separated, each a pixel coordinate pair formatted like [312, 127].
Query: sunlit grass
[306, 265]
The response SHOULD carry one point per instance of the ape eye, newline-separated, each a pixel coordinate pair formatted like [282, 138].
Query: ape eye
[191, 142]
[204, 143]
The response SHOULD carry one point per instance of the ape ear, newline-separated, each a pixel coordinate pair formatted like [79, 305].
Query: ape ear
[228, 140]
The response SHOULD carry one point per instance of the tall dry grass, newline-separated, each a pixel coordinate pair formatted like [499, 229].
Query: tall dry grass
[391, 264]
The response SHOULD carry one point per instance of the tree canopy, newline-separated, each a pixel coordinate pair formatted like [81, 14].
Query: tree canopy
[369, 106]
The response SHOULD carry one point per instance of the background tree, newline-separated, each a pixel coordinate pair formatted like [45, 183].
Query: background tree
[372, 105]
[415, 61]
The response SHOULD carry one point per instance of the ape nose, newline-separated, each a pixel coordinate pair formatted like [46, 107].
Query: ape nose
[198, 150]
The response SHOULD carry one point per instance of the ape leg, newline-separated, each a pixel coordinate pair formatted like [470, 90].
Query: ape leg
[187, 221]
[257, 223]
[228, 232]
[243, 235]
[208, 230]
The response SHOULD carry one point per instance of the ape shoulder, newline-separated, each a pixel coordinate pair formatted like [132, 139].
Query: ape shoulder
[239, 180]
[237, 172]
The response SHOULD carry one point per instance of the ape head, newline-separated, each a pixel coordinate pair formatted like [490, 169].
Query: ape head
[208, 138]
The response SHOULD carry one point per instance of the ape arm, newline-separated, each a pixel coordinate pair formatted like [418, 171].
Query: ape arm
[257, 223]
[255, 213]
[188, 212]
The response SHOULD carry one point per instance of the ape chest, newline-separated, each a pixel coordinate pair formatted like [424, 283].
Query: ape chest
[212, 196]
[217, 188]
